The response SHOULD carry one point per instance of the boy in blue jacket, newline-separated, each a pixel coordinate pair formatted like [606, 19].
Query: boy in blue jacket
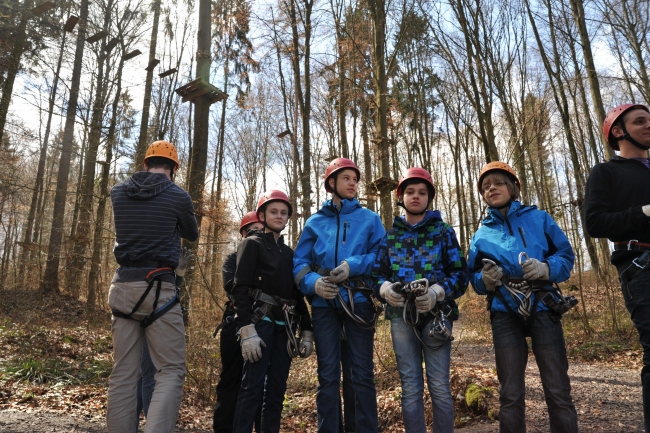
[515, 257]
[338, 244]
[421, 246]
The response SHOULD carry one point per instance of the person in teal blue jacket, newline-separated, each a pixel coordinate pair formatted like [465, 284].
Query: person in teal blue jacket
[515, 258]
[337, 246]
[421, 247]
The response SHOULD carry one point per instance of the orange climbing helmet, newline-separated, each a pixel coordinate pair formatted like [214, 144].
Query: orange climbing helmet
[162, 149]
[337, 165]
[271, 196]
[417, 173]
[494, 166]
[611, 119]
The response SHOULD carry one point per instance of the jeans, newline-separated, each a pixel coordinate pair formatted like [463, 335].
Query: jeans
[268, 375]
[511, 353]
[232, 364]
[348, 417]
[327, 336]
[410, 352]
[146, 383]
[637, 300]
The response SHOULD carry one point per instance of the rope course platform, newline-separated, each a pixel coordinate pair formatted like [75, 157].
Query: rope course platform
[197, 88]
[111, 44]
[71, 23]
[96, 37]
[132, 54]
[152, 64]
[42, 8]
[167, 73]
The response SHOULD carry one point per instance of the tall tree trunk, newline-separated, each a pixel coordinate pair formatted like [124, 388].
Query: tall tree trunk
[50, 281]
[14, 65]
[144, 122]
[81, 238]
[40, 171]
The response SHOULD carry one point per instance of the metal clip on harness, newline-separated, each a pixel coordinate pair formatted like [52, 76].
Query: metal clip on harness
[359, 285]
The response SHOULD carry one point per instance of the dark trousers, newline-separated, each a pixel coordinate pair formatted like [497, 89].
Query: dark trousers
[229, 381]
[347, 419]
[268, 376]
[637, 300]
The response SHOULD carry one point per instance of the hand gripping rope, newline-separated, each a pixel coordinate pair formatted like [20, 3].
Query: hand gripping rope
[152, 276]
[411, 315]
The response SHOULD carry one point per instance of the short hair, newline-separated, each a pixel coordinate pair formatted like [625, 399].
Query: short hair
[160, 162]
[501, 176]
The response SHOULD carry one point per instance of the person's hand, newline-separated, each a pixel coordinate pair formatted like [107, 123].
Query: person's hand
[326, 289]
[251, 343]
[340, 273]
[426, 302]
[646, 210]
[306, 346]
[492, 275]
[390, 292]
[186, 258]
[535, 270]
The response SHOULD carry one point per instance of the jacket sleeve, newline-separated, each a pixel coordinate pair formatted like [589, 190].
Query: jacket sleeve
[228, 272]
[600, 219]
[362, 264]
[475, 267]
[303, 276]
[244, 278]
[560, 262]
[455, 265]
[303, 311]
[381, 269]
[187, 222]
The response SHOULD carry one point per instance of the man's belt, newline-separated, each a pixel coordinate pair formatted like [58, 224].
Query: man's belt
[632, 245]
[145, 264]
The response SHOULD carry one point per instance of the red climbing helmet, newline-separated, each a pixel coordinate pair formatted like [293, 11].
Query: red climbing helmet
[336, 165]
[417, 173]
[271, 196]
[613, 115]
[249, 218]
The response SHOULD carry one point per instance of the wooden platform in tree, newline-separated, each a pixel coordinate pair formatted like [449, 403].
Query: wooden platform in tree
[152, 64]
[197, 88]
[131, 55]
[96, 37]
[42, 8]
[167, 72]
[71, 23]
[111, 44]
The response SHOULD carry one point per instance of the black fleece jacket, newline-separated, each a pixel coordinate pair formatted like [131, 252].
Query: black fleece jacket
[616, 192]
[267, 265]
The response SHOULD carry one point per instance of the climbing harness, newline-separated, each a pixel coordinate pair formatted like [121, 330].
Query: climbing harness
[411, 315]
[155, 275]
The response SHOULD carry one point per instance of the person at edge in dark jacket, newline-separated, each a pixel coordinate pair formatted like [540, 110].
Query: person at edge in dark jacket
[263, 293]
[617, 207]
[421, 246]
[232, 361]
[515, 257]
[151, 214]
[339, 243]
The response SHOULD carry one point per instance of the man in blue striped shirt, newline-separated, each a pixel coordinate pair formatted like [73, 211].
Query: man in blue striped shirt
[151, 216]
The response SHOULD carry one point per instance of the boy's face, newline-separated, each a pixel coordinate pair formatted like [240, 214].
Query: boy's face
[416, 197]
[345, 184]
[276, 215]
[252, 227]
[637, 123]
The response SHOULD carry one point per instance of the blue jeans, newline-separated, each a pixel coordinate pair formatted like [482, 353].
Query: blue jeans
[327, 336]
[637, 300]
[268, 375]
[410, 352]
[511, 353]
[146, 383]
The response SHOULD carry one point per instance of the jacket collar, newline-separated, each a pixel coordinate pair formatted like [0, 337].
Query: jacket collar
[430, 217]
[347, 207]
[515, 207]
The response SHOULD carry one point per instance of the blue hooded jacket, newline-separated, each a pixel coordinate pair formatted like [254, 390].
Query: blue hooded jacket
[330, 237]
[501, 239]
[428, 249]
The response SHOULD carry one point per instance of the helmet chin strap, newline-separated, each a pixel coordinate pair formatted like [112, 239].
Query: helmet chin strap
[335, 190]
[629, 138]
[401, 204]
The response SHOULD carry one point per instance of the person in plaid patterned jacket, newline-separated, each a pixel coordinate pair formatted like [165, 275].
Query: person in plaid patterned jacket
[421, 247]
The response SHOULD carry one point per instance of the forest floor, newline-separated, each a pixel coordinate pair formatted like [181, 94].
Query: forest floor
[54, 368]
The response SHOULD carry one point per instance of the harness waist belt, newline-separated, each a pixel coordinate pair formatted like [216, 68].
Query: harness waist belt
[258, 295]
[145, 264]
[632, 245]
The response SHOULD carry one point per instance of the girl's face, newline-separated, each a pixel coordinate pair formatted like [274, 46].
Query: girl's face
[416, 197]
[276, 215]
[346, 184]
[495, 191]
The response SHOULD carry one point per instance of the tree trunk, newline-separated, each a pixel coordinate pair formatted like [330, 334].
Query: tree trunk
[50, 281]
[14, 65]
[144, 122]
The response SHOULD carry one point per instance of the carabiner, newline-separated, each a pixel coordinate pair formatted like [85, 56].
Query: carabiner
[522, 254]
